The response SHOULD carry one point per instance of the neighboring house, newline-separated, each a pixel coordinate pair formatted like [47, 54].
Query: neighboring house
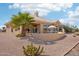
[42, 26]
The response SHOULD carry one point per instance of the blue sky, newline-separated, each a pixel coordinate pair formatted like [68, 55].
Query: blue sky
[65, 12]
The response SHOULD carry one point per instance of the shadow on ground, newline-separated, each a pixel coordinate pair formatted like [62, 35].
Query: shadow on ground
[38, 41]
[41, 41]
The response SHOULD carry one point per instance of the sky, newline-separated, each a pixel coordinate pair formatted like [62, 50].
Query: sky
[66, 13]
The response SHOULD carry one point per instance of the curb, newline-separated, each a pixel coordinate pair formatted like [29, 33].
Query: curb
[71, 48]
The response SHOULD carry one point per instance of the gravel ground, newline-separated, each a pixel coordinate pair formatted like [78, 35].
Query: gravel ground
[74, 51]
[11, 46]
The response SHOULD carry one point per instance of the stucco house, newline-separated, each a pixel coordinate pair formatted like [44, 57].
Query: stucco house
[42, 25]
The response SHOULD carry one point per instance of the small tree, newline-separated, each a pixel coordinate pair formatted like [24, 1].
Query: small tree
[70, 28]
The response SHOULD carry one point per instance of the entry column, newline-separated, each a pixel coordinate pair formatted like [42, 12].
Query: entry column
[41, 28]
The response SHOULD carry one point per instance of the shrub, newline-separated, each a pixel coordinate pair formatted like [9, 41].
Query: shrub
[74, 35]
[3, 30]
[19, 35]
[31, 50]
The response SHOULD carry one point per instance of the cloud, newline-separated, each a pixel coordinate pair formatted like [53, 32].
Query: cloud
[45, 8]
[14, 6]
[55, 6]
[67, 21]
[42, 8]
[62, 21]
[73, 17]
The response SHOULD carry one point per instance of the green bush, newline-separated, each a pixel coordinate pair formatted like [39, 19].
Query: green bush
[31, 50]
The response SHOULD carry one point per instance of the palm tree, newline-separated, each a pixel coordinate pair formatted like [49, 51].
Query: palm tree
[10, 24]
[24, 20]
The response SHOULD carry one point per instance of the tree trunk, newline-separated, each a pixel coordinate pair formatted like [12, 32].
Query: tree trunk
[11, 29]
[23, 31]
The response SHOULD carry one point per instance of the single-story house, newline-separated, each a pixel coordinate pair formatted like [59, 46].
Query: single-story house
[42, 25]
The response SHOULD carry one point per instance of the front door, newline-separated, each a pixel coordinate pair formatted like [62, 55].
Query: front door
[35, 30]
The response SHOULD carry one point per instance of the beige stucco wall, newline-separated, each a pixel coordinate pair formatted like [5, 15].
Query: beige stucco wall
[48, 36]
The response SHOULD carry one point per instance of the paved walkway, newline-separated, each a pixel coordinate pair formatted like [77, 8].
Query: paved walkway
[63, 46]
[74, 51]
[10, 45]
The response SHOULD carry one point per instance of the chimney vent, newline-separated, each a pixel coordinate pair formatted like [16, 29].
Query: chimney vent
[36, 13]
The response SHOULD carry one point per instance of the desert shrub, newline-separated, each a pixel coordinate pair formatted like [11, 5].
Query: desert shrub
[3, 30]
[32, 50]
[74, 35]
[19, 35]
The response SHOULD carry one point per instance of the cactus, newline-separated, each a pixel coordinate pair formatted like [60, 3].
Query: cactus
[31, 50]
